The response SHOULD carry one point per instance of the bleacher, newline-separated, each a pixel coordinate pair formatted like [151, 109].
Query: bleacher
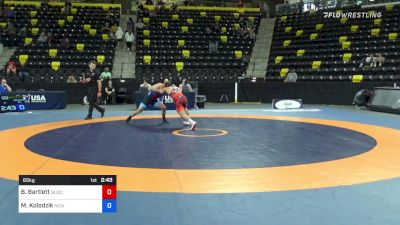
[81, 25]
[174, 44]
[331, 49]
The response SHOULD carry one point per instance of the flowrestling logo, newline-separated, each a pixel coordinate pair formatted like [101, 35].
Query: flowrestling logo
[353, 15]
[34, 98]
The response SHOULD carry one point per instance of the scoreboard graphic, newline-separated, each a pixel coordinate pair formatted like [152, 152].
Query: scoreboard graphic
[67, 194]
[12, 103]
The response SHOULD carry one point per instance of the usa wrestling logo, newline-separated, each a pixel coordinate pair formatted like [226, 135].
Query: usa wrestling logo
[34, 98]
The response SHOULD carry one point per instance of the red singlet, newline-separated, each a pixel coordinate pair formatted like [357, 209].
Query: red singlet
[179, 99]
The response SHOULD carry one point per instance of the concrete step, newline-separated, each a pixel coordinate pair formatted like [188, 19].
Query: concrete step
[262, 46]
[258, 66]
[257, 74]
[265, 34]
[261, 55]
[257, 60]
[128, 69]
[124, 61]
[6, 55]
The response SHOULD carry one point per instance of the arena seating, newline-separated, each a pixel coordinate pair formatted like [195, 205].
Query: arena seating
[175, 43]
[319, 48]
[82, 26]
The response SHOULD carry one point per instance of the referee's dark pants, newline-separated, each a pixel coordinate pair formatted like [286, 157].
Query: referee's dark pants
[92, 98]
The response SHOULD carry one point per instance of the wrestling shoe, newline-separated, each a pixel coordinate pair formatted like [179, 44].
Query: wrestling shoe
[102, 113]
[193, 127]
[186, 123]
[128, 119]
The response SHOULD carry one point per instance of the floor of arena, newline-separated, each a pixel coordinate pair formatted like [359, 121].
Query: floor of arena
[246, 164]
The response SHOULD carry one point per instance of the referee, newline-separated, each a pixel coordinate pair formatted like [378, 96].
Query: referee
[94, 92]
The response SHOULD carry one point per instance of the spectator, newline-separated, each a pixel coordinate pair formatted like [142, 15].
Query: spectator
[64, 43]
[159, 7]
[72, 80]
[11, 32]
[114, 28]
[4, 87]
[208, 30]
[109, 17]
[106, 74]
[378, 60]
[239, 4]
[252, 34]
[249, 24]
[21, 35]
[112, 36]
[50, 39]
[82, 78]
[185, 86]
[149, 2]
[146, 13]
[129, 38]
[160, 2]
[217, 28]
[68, 7]
[3, 12]
[153, 13]
[141, 8]
[110, 93]
[23, 72]
[45, 4]
[291, 77]
[264, 9]
[140, 24]
[300, 6]
[163, 9]
[174, 7]
[361, 98]
[243, 32]
[246, 59]
[317, 4]
[367, 61]
[339, 3]
[119, 35]
[10, 13]
[242, 22]
[212, 46]
[106, 29]
[11, 68]
[43, 37]
[130, 25]
[145, 86]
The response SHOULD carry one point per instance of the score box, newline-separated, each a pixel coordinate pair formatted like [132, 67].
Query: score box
[109, 198]
[67, 193]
